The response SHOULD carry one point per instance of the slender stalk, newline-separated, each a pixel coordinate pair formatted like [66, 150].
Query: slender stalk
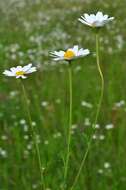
[102, 79]
[70, 123]
[97, 113]
[34, 137]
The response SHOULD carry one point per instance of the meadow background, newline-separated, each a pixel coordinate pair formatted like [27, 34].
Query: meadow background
[29, 30]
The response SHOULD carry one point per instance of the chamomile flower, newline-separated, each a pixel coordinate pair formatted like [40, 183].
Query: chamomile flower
[70, 54]
[98, 20]
[19, 71]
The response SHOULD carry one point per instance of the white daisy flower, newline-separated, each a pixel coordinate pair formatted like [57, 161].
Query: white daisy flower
[107, 165]
[70, 54]
[97, 20]
[109, 126]
[19, 71]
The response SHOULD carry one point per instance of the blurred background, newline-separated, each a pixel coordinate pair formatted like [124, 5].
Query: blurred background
[29, 30]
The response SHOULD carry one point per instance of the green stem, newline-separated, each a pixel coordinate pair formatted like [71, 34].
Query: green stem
[102, 79]
[97, 113]
[34, 137]
[70, 123]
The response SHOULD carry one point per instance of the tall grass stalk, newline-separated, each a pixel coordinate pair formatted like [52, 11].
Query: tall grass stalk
[97, 113]
[70, 122]
[33, 136]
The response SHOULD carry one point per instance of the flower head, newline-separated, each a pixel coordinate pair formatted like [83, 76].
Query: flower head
[70, 54]
[19, 71]
[98, 20]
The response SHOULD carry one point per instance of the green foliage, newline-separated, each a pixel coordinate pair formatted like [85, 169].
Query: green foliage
[29, 30]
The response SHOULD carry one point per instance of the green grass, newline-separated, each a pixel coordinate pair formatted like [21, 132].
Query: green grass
[37, 29]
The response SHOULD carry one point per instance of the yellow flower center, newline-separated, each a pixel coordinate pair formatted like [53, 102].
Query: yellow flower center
[20, 73]
[69, 54]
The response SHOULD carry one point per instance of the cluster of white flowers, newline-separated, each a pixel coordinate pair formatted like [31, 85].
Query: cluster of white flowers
[57, 135]
[106, 168]
[98, 137]
[119, 104]
[92, 20]
[68, 55]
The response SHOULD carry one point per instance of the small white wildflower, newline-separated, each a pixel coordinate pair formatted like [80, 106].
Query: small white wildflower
[101, 137]
[94, 137]
[44, 103]
[58, 101]
[100, 171]
[19, 71]
[22, 121]
[87, 122]
[70, 54]
[26, 137]
[26, 153]
[13, 56]
[13, 94]
[86, 104]
[74, 126]
[107, 165]
[98, 20]
[3, 153]
[33, 123]
[97, 126]
[43, 169]
[4, 137]
[120, 104]
[34, 186]
[109, 126]
[38, 139]
[57, 135]
[21, 54]
[29, 146]
[78, 68]
[25, 127]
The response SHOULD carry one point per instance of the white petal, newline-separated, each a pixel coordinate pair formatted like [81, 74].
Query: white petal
[13, 69]
[17, 77]
[92, 18]
[84, 22]
[99, 16]
[23, 77]
[18, 68]
[31, 70]
[27, 67]
[75, 49]
[8, 73]
[87, 17]
[58, 58]
[83, 52]
[58, 53]
[105, 17]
